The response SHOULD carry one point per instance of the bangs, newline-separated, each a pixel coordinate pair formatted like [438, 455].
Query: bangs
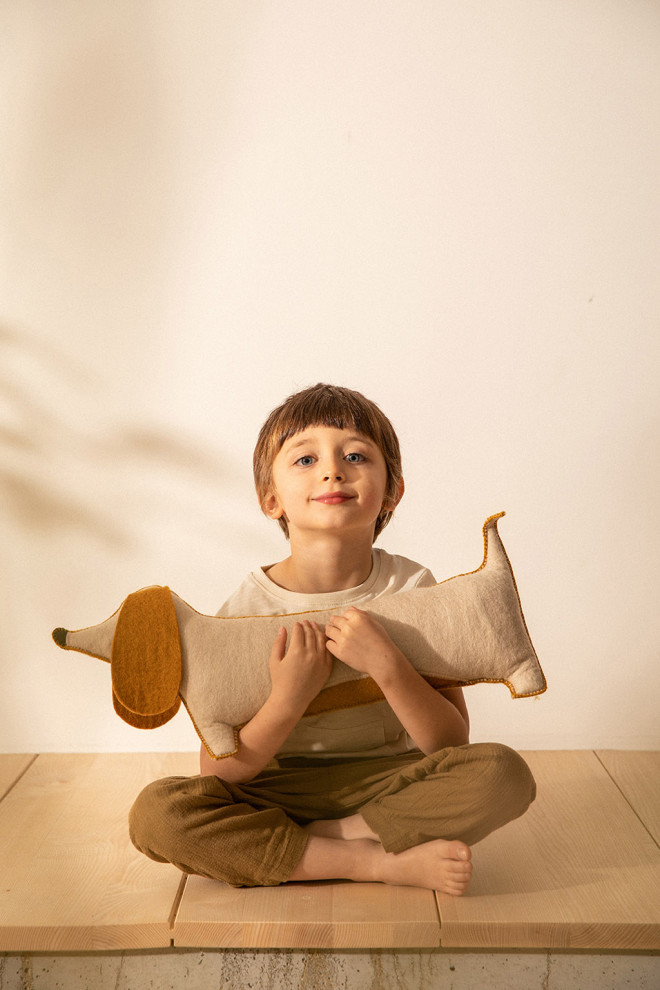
[325, 406]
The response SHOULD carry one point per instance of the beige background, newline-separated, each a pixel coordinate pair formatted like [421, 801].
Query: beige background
[453, 207]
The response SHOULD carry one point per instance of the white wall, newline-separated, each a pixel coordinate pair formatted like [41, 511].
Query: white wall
[452, 207]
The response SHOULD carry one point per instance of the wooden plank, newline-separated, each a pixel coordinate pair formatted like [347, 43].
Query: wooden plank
[325, 915]
[71, 879]
[578, 870]
[12, 765]
[637, 775]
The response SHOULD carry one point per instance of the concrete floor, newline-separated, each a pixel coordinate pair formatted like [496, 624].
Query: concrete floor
[181, 969]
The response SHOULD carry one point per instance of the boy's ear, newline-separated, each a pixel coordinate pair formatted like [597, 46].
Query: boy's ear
[271, 506]
[390, 504]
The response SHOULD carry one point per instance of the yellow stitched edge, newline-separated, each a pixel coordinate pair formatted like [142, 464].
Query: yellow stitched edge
[206, 746]
[87, 653]
[529, 694]
[492, 520]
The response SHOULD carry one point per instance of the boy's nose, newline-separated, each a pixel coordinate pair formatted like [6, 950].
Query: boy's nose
[333, 471]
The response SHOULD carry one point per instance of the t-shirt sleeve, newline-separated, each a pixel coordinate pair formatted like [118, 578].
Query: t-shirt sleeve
[233, 606]
[425, 579]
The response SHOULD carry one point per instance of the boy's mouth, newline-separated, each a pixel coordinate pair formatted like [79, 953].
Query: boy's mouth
[333, 498]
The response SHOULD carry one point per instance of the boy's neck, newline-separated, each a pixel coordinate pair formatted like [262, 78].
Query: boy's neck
[323, 565]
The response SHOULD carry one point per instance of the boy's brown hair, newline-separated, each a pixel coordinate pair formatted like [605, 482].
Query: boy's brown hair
[328, 405]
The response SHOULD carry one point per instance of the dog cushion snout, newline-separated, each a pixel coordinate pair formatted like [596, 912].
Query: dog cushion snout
[146, 658]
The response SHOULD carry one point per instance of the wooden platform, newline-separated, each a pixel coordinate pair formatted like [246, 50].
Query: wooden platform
[580, 870]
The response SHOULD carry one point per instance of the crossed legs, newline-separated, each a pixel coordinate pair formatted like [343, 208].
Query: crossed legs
[391, 820]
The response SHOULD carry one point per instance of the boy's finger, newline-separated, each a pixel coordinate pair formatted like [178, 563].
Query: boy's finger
[353, 613]
[279, 644]
[297, 634]
[331, 647]
[320, 637]
[331, 631]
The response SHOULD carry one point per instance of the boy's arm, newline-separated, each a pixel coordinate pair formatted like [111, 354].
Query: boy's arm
[432, 719]
[297, 676]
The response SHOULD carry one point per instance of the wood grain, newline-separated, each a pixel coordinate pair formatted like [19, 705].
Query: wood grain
[578, 870]
[637, 775]
[12, 765]
[70, 877]
[327, 915]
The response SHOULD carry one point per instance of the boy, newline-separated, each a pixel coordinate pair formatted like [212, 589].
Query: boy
[389, 792]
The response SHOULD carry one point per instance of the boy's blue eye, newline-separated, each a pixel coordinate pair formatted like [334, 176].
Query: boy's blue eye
[305, 460]
[355, 458]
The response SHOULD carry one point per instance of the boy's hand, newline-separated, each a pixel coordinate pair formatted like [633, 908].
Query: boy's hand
[299, 672]
[360, 641]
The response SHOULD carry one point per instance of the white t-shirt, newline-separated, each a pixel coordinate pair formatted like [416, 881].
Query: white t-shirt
[367, 730]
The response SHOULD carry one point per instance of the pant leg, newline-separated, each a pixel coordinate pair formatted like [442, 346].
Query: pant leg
[464, 792]
[205, 826]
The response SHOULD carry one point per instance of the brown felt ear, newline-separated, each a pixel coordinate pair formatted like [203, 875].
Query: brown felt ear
[146, 659]
[144, 721]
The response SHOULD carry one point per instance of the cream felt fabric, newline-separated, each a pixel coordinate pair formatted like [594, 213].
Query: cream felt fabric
[465, 630]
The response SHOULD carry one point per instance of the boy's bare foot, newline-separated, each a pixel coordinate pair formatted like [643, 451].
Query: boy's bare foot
[441, 864]
[438, 865]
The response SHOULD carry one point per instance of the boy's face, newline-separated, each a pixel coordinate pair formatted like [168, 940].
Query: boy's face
[326, 479]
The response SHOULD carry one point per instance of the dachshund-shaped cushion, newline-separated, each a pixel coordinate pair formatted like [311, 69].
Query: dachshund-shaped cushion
[465, 630]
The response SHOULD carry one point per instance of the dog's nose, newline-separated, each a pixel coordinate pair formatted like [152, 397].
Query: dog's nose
[59, 635]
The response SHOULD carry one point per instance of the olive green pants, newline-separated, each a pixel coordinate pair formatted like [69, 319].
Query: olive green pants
[252, 834]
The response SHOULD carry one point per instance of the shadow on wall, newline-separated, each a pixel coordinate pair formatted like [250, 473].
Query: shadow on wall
[65, 464]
